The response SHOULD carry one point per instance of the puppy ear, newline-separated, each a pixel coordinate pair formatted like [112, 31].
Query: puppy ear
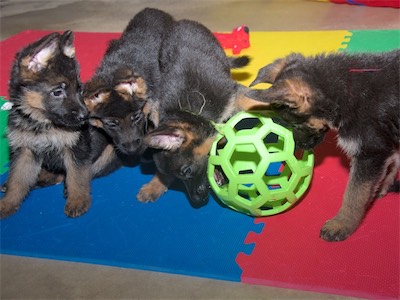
[95, 99]
[127, 83]
[293, 93]
[166, 138]
[96, 122]
[151, 111]
[269, 73]
[66, 44]
[95, 92]
[45, 49]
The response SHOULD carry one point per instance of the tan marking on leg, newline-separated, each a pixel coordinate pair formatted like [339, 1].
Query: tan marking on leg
[47, 178]
[392, 166]
[355, 201]
[106, 157]
[78, 179]
[153, 190]
[23, 175]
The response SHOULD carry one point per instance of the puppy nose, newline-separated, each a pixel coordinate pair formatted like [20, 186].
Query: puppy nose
[80, 115]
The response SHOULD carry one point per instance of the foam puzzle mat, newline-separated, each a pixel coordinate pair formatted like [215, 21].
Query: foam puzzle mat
[215, 242]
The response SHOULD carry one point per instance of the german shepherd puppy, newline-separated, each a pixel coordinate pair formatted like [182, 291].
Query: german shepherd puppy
[45, 124]
[355, 95]
[196, 90]
[49, 136]
[120, 94]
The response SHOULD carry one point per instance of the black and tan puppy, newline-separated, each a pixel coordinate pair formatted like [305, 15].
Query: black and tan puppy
[49, 136]
[355, 95]
[120, 116]
[196, 90]
[45, 123]
[121, 92]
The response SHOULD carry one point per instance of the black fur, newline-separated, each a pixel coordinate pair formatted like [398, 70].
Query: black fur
[356, 95]
[49, 136]
[196, 89]
[121, 92]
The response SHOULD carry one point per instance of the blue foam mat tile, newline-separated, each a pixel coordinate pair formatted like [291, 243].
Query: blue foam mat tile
[168, 235]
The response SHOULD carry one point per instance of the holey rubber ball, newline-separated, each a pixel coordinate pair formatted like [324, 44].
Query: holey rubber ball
[253, 166]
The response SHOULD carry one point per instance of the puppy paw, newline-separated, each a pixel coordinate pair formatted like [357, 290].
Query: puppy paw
[150, 193]
[335, 230]
[7, 209]
[49, 180]
[76, 208]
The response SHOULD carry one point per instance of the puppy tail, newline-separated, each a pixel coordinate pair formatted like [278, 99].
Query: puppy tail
[239, 62]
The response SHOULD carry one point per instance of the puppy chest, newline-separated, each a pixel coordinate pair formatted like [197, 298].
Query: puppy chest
[351, 146]
[52, 140]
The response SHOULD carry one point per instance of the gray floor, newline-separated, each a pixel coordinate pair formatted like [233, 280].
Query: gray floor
[28, 278]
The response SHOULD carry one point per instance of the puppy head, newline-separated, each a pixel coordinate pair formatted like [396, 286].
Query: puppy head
[128, 83]
[295, 96]
[122, 83]
[45, 81]
[118, 112]
[184, 149]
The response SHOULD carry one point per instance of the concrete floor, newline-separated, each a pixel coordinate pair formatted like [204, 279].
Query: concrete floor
[28, 278]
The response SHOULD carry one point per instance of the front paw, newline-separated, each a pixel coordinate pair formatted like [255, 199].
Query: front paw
[336, 230]
[150, 193]
[7, 209]
[77, 207]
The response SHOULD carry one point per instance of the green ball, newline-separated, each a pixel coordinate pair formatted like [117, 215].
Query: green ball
[253, 166]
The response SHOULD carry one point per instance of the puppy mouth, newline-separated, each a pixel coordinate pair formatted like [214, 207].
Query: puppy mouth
[73, 123]
[131, 150]
[220, 177]
[197, 201]
[198, 194]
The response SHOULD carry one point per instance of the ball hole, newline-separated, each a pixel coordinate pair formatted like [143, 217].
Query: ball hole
[248, 123]
[274, 142]
[220, 177]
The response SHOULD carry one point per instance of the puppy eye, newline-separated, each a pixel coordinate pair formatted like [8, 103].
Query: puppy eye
[186, 171]
[112, 123]
[136, 117]
[58, 93]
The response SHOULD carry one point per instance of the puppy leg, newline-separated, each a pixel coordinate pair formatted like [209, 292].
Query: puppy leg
[106, 162]
[153, 190]
[359, 193]
[392, 166]
[77, 181]
[47, 178]
[23, 175]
